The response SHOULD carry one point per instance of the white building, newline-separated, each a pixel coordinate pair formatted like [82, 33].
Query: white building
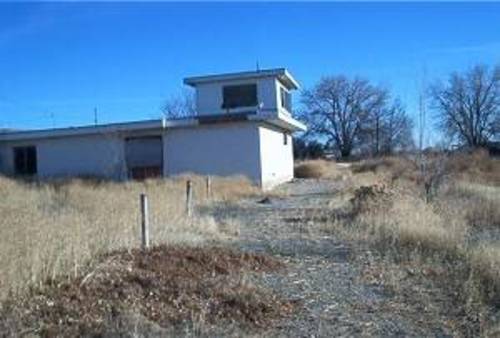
[243, 126]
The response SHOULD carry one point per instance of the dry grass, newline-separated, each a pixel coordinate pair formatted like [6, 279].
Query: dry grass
[476, 167]
[485, 262]
[51, 230]
[316, 169]
[389, 167]
[455, 231]
[480, 203]
[410, 224]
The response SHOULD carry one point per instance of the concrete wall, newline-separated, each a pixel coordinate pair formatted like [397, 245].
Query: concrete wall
[237, 148]
[276, 158]
[209, 97]
[219, 149]
[93, 155]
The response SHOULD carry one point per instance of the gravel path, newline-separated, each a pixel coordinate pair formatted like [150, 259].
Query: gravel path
[324, 274]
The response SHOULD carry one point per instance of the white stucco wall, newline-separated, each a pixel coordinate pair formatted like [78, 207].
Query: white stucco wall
[92, 155]
[219, 149]
[276, 158]
[225, 149]
[209, 97]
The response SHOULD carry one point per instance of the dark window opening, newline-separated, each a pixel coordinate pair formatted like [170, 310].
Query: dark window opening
[285, 139]
[286, 100]
[239, 96]
[25, 160]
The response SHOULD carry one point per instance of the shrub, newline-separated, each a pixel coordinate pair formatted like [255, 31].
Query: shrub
[316, 169]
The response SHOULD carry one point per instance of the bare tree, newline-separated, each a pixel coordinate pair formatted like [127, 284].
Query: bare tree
[180, 105]
[336, 107]
[468, 105]
[386, 130]
[371, 133]
[397, 129]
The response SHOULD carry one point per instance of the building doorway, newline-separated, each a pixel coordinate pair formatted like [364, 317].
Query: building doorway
[144, 157]
[25, 161]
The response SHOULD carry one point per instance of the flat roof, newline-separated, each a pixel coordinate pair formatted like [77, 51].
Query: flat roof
[93, 129]
[281, 74]
[281, 120]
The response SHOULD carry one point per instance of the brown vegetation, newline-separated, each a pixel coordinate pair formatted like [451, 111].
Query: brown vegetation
[161, 288]
[55, 229]
[476, 166]
[457, 231]
[316, 169]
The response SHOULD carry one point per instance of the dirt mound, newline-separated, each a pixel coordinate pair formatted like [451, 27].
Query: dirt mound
[371, 197]
[166, 286]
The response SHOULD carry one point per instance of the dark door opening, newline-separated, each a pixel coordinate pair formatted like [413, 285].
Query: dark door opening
[144, 157]
[25, 161]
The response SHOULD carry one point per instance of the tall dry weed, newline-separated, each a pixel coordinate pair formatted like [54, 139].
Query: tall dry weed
[476, 166]
[485, 264]
[458, 226]
[411, 224]
[48, 230]
[480, 203]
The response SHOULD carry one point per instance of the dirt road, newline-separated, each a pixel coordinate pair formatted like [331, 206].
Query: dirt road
[325, 275]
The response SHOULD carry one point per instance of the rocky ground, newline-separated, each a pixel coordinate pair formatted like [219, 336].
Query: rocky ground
[339, 284]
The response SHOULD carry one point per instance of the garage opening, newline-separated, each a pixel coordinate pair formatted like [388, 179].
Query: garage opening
[144, 157]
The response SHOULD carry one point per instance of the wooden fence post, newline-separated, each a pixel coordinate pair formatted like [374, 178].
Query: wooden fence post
[209, 187]
[144, 221]
[189, 198]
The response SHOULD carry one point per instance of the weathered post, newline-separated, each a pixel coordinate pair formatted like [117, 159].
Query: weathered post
[144, 222]
[189, 198]
[209, 187]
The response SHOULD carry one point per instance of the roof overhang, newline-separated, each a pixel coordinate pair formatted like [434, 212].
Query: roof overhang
[281, 74]
[283, 121]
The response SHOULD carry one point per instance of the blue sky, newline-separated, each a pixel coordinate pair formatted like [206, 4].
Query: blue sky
[60, 60]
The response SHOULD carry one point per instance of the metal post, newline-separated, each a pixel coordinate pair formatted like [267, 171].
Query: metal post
[189, 198]
[144, 221]
[209, 187]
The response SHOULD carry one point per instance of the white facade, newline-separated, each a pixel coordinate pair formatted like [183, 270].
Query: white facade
[209, 97]
[276, 156]
[218, 149]
[209, 91]
[89, 155]
[250, 149]
[252, 141]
